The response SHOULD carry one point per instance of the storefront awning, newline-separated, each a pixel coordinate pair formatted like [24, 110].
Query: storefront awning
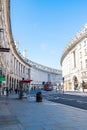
[26, 80]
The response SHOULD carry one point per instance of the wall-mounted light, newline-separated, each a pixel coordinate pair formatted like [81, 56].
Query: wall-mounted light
[4, 49]
[1, 30]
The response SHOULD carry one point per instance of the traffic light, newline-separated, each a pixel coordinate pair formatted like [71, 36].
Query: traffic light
[43, 83]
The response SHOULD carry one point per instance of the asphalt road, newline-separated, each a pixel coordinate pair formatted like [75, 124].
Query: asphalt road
[68, 99]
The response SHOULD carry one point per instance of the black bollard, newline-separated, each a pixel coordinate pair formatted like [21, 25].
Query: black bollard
[39, 97]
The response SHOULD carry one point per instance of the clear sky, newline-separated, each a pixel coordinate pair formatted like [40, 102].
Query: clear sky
[45, 27]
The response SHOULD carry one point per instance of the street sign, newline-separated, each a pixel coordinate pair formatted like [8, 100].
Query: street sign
[2, 78]
[4, 49]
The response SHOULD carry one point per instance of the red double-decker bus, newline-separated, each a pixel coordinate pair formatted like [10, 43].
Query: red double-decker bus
[48, 86]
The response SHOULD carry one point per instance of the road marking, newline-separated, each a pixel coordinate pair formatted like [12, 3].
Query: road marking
[81, 101]
[64, 98]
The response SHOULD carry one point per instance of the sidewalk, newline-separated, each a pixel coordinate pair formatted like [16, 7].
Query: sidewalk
[27, 114]
[76, 93]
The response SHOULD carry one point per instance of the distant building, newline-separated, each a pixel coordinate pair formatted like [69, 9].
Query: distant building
[40, 74]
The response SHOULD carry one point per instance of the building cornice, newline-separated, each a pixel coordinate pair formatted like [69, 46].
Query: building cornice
[43, 68]
[9, 29]
[77, 38]
[11, 42]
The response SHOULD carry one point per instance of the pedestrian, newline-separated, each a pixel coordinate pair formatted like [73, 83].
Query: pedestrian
[10, 90]
[16, 90]
[56, 89]
[7, 92]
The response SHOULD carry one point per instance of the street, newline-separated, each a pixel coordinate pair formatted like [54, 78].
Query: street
[79, 101]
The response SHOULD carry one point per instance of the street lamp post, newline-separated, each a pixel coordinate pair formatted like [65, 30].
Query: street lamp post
[63, 84]
[2, 49]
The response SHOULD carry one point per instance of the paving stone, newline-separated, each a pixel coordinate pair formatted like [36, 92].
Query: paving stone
[28, 115]
[8, 120]
[12, 127]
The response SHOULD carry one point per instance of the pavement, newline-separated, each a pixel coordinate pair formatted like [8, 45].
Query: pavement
[27, 114]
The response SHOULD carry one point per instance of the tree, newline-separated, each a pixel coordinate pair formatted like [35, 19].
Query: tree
[75, 83]
[84, 85]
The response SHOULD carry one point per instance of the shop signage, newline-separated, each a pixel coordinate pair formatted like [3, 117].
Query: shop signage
[2, 78]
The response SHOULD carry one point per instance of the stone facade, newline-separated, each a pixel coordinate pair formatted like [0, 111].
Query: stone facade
[13, 65]
[40, 73]
[74, 61]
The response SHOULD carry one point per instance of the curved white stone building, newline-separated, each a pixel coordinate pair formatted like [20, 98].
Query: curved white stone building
[13, 65]
[40, 73]
[74, 61]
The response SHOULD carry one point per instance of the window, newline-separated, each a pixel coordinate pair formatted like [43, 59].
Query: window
[80, 54]
[80, 46]
[81, 64]
[85, 52]
[74, 58]
[85, 43]
[86, 63]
